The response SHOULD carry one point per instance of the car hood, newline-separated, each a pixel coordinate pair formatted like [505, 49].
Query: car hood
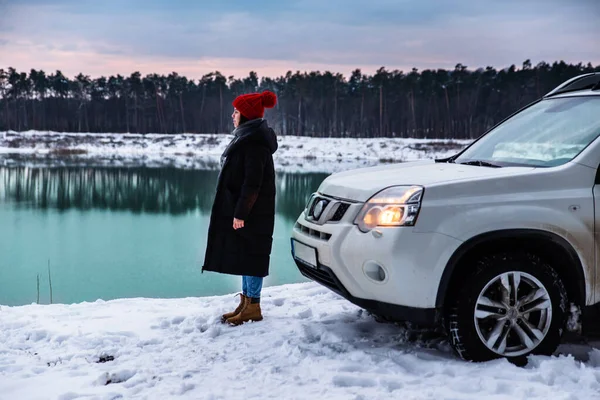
[361, 184]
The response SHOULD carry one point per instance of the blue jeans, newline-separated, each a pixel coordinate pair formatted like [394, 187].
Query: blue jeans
[251, 286]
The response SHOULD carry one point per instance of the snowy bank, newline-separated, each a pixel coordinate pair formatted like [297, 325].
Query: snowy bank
[312, 344]
[203, 150]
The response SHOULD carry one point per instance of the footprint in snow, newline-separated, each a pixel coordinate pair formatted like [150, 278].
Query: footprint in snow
[353, 381]
[279, 302]
[185, 387]
[61, 338]
[190, 374]
[36, 336]
[117, 377]
[391, 385]
[305, 314]
[311, 335]
[353, 368]
[212, 332]
[165, 324]
[150, 342]
[177, 320]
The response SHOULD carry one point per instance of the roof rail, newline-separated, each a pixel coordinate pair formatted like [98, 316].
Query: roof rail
[580, 82]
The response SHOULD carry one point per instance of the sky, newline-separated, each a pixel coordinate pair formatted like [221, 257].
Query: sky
[271, 37]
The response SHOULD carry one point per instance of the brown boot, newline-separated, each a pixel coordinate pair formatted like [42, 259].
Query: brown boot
[240, 307]
[251, 312]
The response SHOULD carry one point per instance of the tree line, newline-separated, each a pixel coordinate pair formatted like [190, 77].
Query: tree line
[457, 103]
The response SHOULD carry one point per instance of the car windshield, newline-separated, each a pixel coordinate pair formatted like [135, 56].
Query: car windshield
[550, 133]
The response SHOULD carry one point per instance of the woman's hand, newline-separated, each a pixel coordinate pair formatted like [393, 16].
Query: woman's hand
[238, 223]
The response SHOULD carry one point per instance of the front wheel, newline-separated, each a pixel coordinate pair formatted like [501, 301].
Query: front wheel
[513, 305]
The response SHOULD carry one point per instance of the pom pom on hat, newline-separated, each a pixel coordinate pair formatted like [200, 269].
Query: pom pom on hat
[253, 105]
[269, 99]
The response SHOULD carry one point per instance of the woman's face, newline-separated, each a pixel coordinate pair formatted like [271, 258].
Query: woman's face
[236, 117]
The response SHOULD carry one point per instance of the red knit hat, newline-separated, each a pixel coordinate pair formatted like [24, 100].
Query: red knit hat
[253, 105]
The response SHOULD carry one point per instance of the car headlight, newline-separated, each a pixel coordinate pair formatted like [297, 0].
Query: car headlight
[394, 206]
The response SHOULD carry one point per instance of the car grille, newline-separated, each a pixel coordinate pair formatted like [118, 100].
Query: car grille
[320, 276]
[327, 205]
[340, 212]
[312, 232]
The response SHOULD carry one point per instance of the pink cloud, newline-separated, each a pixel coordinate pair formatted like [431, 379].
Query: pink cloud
[25, 56]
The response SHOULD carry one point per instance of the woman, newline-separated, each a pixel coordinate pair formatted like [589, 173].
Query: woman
[240, 235]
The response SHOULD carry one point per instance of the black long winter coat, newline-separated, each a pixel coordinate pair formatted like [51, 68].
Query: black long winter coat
[246, 191]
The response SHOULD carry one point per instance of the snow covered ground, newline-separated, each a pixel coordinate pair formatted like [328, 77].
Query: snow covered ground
[312, 344]
[203, 150]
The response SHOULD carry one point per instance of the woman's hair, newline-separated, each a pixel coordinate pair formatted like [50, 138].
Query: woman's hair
[243, 119]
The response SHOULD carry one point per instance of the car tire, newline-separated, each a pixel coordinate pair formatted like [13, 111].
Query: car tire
[488, 319]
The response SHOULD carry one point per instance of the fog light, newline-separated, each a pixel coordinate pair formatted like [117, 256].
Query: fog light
[374, 271]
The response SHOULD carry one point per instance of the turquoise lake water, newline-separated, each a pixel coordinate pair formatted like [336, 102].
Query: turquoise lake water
[116, 232]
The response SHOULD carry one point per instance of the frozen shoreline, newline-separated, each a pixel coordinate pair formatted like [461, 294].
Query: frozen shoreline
[202, 151]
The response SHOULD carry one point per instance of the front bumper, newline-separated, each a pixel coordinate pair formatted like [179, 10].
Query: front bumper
[326, 277]
[413, 264]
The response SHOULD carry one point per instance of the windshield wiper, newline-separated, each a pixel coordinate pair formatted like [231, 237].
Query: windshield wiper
[480, 163]
[445, 160]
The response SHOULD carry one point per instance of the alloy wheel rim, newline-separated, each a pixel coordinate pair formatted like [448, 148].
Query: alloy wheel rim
[513, 313]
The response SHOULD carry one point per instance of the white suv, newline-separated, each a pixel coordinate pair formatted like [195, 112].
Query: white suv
[499, 244]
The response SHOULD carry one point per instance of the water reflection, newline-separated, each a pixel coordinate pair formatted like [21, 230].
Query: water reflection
[148, 190]
[123, 231]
